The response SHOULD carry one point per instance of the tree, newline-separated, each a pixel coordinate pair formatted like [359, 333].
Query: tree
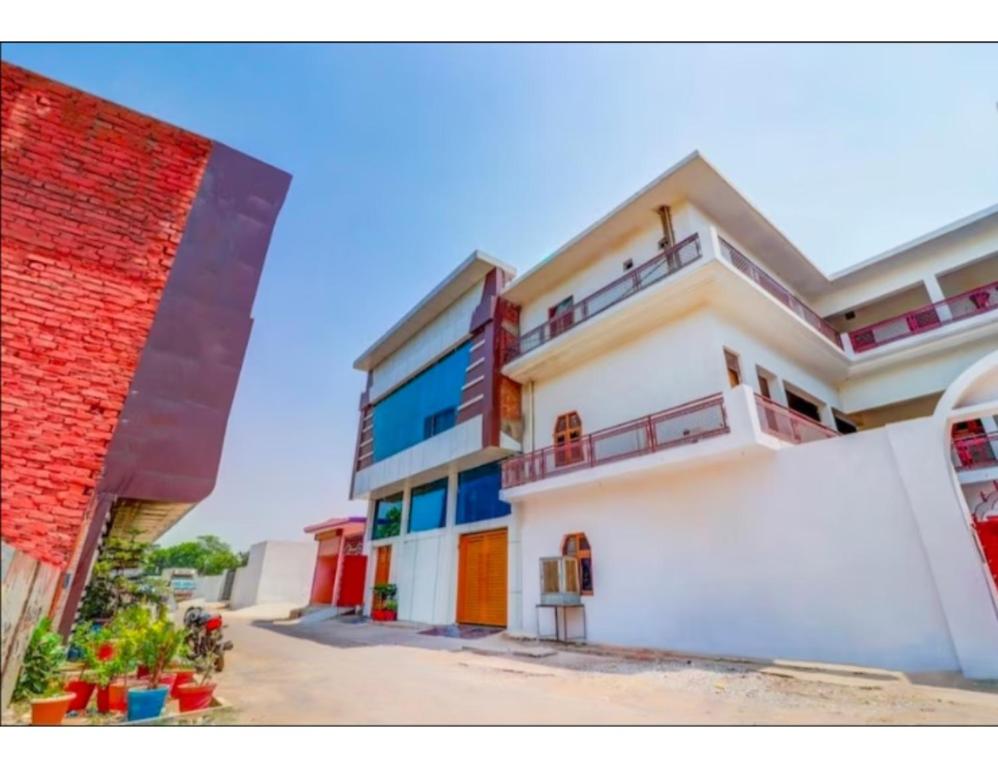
[121, 577]
[208, 555]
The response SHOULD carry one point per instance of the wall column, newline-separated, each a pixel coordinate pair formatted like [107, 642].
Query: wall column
[936, 294]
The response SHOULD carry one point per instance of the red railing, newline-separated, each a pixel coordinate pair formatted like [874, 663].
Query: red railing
[666, 263]
[787, 424]
[685, 423]
[976, 301]
[975, 452]
[762, 278]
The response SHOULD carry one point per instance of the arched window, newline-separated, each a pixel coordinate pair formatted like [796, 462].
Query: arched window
[577, 545]
[567, 439]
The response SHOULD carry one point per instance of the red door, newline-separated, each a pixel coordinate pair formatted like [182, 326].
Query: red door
[987, 533]
[323, 580]
[352, 580]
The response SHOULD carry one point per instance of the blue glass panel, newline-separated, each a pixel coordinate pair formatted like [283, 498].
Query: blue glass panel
[427, 506]
[387, 517]
[422, 407]
[478, 494]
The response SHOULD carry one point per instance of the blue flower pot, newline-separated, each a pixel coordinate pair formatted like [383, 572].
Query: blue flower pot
[144, 703]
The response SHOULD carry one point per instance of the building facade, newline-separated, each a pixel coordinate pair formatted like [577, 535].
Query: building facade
[131, 253]
[743, 454]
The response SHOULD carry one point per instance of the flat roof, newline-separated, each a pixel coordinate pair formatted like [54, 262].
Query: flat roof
[335, 522]
[694, 179]
[449, 290]
[937, 234]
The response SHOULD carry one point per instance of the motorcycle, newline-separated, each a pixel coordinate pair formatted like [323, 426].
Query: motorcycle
[204, 636]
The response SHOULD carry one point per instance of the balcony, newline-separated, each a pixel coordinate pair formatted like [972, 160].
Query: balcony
[976, 301]
[761, 278]
[681, 425]
[652, 271]
[975, 452]
[788, 425]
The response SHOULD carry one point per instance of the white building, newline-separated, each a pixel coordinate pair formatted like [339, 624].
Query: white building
[746, 456]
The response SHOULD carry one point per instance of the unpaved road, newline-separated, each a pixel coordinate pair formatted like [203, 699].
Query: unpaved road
[335, 673]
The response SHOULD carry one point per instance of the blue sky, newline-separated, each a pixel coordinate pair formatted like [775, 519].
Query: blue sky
[406, 158]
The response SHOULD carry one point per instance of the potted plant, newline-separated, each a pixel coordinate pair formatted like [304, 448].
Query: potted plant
[87, 642]
[193, 695]
[117, 657]
[40, 680]
[385, 606]
[157, 645]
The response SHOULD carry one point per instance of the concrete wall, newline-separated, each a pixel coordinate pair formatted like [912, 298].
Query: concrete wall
[812, 552]
[277, 572]
[209, 587]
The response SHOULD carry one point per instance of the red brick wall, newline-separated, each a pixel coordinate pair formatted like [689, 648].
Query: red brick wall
[94, 201]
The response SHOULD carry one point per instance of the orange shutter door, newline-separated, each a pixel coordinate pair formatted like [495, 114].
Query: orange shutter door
[482, 578]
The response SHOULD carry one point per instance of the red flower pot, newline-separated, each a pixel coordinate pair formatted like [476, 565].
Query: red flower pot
[82, 691]
[182, 676]
[192, 697]
[51, 710]
[142, 671]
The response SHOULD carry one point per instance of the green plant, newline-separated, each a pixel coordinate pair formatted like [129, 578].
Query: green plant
[40, 672]
[157, 644]
[385, 591]
[390, 605]
[87, 640]
[209, 555]
[120, 578]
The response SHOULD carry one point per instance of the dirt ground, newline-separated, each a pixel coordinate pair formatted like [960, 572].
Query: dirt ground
[333, 672]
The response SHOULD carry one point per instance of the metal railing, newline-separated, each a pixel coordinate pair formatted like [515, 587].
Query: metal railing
[786, 424]
[664, 264]
[762, 278]
[975, 452]
[976, 301]
[687, 423]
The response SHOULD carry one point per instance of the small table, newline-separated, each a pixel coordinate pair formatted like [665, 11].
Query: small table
[559, 636]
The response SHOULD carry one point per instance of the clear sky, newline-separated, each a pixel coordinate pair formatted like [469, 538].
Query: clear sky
[406, 158]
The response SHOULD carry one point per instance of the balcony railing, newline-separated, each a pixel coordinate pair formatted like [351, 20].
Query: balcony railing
[786, 424]
[687, 423]
[975, 452]
[976, 301]
[775, 289]
[666, 263]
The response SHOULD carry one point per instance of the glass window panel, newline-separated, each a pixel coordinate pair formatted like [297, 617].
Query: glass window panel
[478, 494]
[428, 506]
[422, 407]
[387, 517]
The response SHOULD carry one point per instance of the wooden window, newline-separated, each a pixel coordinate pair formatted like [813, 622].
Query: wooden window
[568, 439]
[577, 545]
[734, 369]
[561, 316]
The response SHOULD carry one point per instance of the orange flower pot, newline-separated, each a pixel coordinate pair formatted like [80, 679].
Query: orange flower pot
[51, 710]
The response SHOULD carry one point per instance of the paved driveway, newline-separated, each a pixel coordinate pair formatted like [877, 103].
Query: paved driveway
[338, 673]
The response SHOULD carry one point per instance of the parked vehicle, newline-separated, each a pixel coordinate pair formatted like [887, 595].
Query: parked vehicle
[204, 638]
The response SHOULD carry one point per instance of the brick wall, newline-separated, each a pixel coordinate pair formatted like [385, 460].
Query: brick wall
[94, 201]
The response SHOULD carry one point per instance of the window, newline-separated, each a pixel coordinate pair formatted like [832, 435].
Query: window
[478, 494]
[428, 506]
[439, 422]
[734, 368]
[803, 406]
[567, 439]
[424, 406]
[561, 316]
[843, 424]
[387, 517]
[577, 545]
